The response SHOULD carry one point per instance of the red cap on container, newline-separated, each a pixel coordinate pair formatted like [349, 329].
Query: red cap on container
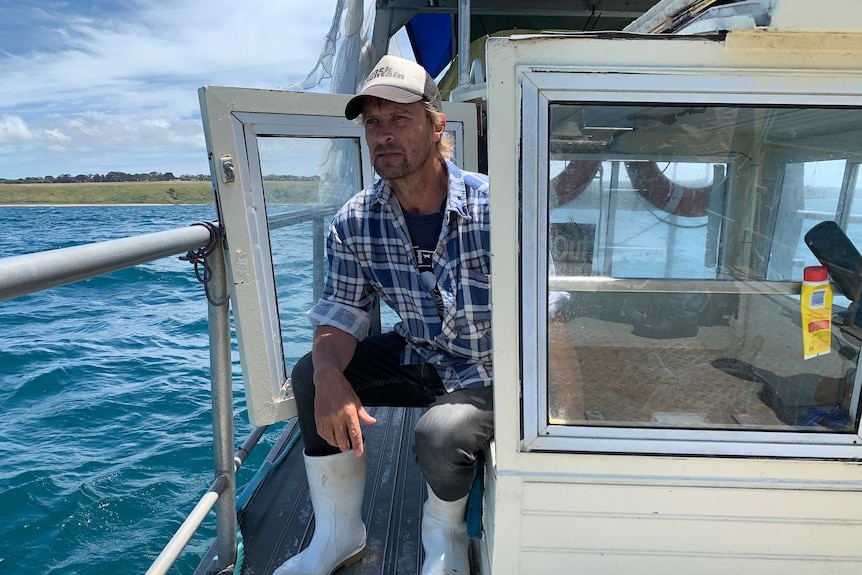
[815, 274]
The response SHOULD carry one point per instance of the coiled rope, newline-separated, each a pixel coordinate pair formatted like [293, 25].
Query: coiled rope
[198, 257]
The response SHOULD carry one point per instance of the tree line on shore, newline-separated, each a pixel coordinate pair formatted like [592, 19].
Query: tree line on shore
[109, 177]
[124, 177]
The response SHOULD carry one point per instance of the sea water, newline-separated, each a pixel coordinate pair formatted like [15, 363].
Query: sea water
[105, 405]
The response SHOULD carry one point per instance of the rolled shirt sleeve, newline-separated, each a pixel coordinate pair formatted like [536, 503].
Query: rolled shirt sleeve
[348, 297]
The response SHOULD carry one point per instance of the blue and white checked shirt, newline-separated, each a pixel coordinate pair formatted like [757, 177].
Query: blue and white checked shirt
[369, 252]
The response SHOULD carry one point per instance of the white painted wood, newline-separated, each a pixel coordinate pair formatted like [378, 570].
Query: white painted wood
[597, 513]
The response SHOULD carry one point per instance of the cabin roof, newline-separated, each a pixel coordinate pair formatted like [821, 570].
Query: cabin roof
[432, 26]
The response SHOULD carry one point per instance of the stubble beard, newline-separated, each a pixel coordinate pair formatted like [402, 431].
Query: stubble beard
[389, 171]
[407, 166]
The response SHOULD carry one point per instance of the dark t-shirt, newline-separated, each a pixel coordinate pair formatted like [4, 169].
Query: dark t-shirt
[424, 233]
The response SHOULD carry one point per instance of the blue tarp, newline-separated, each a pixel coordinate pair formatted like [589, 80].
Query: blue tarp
[431, 39]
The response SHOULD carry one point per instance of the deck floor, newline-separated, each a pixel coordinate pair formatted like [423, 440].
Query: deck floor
[278, 521]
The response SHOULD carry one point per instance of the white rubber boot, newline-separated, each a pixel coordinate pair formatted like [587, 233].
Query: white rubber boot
[336, 484]
[444, 536]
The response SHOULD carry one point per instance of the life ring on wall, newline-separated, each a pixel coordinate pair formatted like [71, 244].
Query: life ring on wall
[574, 179]
[663, 193]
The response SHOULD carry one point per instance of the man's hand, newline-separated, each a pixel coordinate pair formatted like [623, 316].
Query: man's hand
[338, 411]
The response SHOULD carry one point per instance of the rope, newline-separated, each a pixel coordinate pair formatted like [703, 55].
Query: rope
[249, 488]
[240, 552]
[198, 257]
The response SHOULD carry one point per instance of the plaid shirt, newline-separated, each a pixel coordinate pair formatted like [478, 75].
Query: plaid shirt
[369, 252]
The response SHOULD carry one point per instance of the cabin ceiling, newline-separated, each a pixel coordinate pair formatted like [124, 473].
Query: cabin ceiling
[632, 8]
[705, 130]
[489, 16]
[435, 41]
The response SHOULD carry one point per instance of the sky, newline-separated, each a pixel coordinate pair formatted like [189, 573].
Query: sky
[89, 87]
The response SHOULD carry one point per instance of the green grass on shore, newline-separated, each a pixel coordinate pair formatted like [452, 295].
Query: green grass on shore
[172, 192]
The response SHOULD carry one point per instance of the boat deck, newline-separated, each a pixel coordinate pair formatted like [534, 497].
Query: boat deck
[737, 371]
[278, 520]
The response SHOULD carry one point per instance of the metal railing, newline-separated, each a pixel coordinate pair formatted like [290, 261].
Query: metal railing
[29, 273]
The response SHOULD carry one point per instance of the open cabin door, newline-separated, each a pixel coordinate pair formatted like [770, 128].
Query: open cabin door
[282, 164]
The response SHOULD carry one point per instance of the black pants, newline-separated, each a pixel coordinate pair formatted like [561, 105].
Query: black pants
[448, 435]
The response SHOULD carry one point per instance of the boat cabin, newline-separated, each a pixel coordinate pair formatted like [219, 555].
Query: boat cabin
[655, 183]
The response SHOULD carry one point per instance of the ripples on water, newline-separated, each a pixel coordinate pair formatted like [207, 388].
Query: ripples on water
[106, 434]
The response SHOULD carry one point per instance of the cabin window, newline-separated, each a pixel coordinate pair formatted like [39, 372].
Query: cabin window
[305, 180]
[671, 236]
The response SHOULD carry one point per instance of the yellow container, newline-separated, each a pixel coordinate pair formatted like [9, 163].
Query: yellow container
[816, 307]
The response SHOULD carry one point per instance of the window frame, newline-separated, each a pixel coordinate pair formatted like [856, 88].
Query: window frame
[541, 87]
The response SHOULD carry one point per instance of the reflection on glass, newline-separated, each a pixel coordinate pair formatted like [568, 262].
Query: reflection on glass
[305, 181]
[694, 218]
[854, 221]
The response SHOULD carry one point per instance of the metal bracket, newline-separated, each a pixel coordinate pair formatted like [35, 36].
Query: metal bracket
[227, 171]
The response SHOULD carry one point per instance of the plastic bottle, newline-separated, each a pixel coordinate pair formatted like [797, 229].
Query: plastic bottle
[816, 308]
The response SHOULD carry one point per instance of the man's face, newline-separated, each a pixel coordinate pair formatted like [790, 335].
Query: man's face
[400, 138]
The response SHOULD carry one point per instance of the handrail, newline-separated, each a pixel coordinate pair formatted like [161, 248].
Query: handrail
[29, 273]
[218, 319]
[193, 521]
[186, 531]
[275, 221]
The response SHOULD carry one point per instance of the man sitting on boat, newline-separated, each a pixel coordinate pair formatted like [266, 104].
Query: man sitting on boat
[419, 239]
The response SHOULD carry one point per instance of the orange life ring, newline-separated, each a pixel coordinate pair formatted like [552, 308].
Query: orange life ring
[663, 193]
[574, 179]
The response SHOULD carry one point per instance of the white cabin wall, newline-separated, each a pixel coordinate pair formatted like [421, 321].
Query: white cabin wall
[754, 51]
[594, 513]
[635, 528]
[562, 521]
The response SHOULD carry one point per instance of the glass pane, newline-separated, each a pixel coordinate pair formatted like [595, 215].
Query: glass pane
[810, 194]
[677, 233]
[305, 181]
[854, 219]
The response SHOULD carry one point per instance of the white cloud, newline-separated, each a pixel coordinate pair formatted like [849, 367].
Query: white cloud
[56, 135]
[128, 80]
[13, 129]
[94, 138]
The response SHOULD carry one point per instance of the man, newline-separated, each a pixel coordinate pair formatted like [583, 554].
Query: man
[419, 239]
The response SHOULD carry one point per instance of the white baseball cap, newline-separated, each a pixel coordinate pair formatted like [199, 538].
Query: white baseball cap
[397, 80]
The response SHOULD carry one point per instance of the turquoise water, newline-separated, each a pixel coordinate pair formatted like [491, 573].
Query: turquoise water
[106, 430]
